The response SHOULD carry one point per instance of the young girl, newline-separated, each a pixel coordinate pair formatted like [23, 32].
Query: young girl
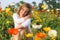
[22, 20]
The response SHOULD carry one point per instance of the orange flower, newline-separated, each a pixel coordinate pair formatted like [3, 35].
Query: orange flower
[0, 9]
[15, 31]
[36, 38]
[9, 13]
[41, 35]
[32, 7]
[12, 31]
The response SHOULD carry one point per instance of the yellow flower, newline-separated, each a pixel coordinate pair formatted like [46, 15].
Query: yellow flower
[7, 22]
[7, 9]
[46, 29]
[52, 10]
[40, 20]
[42, 6]
[36, 12]
[52, 19]
[29, 35]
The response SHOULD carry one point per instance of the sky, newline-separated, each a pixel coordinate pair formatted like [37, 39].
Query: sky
[4, 3]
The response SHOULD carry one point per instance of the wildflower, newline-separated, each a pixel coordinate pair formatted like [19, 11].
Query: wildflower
[37, 26]
[52, 10]
[41, 35]
[46, 29]
[7, 9]
[29, 35]
[7, 21]
[42, 6]
[9, 13]
[32, 7]
[36, 38]
[40, 20]
[12, 31]
[9, 31]
[52, 33]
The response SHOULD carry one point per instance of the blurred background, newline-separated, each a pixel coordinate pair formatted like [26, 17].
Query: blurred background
[5, 3]
[45, 23]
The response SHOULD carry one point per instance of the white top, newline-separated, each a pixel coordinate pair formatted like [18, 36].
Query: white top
[18, 20]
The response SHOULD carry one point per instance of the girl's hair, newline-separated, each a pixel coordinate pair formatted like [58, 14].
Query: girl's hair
[25, 5]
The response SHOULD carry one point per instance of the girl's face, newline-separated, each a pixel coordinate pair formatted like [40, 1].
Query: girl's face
[23, 11]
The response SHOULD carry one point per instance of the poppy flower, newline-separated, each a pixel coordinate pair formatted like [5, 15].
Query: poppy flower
[12, 31]
[41, 35]
[15, 31]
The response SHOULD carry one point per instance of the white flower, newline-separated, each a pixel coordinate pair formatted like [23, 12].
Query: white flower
[52, 33]
[48, 10]
[45, 5]
[57, 9]
[37, 26]
[32, 11]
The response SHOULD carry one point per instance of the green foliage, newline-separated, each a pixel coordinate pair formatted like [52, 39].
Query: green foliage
[5, 23]
[47, 18]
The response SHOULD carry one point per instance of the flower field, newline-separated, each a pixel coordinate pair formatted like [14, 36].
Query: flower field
[45, 25]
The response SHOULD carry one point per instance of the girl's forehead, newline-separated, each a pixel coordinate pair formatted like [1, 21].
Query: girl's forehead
[25, 8]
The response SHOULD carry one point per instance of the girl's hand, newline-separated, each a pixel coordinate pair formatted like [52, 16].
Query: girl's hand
[28, 16]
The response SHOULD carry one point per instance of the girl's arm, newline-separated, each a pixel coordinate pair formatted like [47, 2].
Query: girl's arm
[24, 24]
[17, 19]
[28, 16]
[20, 20]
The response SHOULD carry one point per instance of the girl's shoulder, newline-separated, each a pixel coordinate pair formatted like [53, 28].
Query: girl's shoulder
[15, 14]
